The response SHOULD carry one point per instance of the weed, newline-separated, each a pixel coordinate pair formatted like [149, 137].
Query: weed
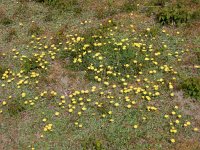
[173, 15]
[191, 86]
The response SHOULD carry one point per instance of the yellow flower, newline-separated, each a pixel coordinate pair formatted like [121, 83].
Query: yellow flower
[135, 126]
[148, 98]
[177, 121]
[148, 29]
[188, 123]
[4, 103]
[128, 106]
[84, 108]
[176, 107]
[62, 97]
[57, 113]
[45, 129]
[196, 129]
[173, 140]
[23, 94]
[103, 115]
[110, 112]
[116, 104]
[166, 116]
[172, 94]
[133, 102]
[111, 120]
[114, 86]
[173, 112]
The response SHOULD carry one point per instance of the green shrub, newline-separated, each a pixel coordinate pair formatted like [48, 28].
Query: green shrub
[191, 86]
[173, 15]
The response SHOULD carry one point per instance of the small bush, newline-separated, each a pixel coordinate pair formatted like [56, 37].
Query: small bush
[191, 86]
[173, 15]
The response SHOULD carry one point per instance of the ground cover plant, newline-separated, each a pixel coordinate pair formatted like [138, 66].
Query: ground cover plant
[78, 75]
